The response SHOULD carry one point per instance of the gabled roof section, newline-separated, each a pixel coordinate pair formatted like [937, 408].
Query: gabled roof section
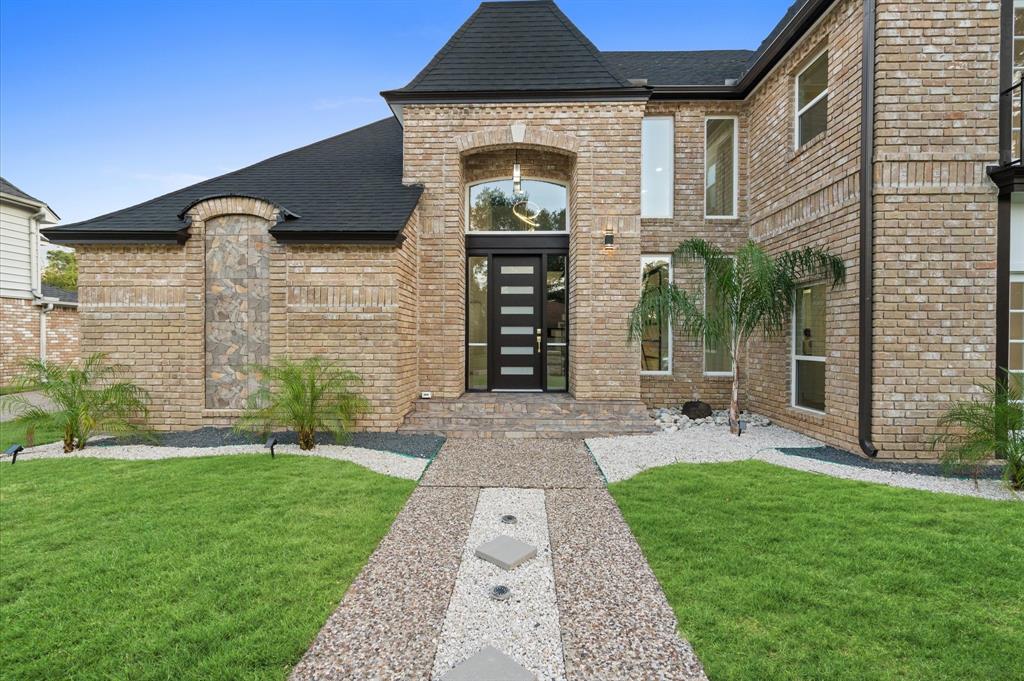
[701, 67]
[346, 188]
[13, 192]
[61, 294]
[505, 47]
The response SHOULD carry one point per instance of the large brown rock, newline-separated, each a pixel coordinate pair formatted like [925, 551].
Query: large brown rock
[695, 409]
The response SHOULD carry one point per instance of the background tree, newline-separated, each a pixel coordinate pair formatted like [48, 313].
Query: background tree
[61, 270]
[754, 291]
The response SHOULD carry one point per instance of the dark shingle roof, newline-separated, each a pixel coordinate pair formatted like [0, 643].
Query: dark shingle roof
[508, 46]
[8, 188]
[793, 10]
[703, 67]
[347, 187]
[63, 295]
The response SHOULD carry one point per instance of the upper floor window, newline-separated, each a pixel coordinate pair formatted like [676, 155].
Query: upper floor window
[540, 207]
[1018, 39]
[720, 156]
[812, 100]
[656, 167]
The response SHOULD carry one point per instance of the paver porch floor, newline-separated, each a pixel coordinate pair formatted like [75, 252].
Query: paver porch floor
[613, 619]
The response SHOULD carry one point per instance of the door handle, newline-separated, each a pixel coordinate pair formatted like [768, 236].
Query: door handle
[538, 341]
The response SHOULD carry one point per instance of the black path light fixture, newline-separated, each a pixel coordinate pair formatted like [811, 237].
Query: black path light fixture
[13, 452]
[271, 441]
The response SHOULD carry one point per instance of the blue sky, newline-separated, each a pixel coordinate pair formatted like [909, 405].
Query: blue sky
[105, 104]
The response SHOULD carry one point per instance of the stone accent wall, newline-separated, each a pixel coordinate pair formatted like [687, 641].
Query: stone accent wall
[237, 307]
[603, 139]
[355, 304]
[19, 335]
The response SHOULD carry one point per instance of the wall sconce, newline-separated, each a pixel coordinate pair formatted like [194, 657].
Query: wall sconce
[609, 241]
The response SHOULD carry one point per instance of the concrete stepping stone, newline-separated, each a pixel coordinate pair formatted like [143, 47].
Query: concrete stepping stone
[489, 664]
[506, 552]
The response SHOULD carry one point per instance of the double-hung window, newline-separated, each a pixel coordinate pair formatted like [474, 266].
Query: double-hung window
[809, 347]
[656, 167]
[720, 166]
[812, 100]
[656, 344]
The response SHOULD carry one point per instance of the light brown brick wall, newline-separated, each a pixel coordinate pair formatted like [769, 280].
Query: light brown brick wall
[62, 335]
[688, 381]
[808, 197]
[936, 130]
[604, 139]
[19, 336]
[144, 305]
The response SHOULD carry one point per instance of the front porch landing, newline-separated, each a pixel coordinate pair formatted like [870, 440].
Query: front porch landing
[527, 415]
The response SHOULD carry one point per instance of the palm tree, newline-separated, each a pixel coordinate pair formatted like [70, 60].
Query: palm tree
[308, 396]
[754, 292]
[973, 431]
[88, 399]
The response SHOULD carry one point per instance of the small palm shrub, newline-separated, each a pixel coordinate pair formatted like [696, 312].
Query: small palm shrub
[88, 399]
[973, 431]
[307, 396]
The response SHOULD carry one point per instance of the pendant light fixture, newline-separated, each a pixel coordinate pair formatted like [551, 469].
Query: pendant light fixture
[517, 176]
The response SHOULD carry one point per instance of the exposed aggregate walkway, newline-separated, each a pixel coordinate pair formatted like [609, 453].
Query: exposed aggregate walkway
[587, 608]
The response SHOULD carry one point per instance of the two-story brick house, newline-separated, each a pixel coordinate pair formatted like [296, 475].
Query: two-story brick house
[491, 237]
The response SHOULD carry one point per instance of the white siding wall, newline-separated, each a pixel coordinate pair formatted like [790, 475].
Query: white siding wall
[17, 242]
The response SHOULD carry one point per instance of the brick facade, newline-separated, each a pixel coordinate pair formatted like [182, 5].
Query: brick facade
[396, 314]
[19, 335]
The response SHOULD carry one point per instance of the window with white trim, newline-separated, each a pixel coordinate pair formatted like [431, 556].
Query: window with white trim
[812, 100]
[656, 344]
[717, 357]
[809, 347]
[720, 167]
[1015, 366]
[656, 167]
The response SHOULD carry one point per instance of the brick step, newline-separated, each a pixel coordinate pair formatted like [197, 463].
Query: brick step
[435, 421]
[527, 434]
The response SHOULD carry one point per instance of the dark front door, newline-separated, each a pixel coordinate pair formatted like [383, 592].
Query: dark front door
[518, 300]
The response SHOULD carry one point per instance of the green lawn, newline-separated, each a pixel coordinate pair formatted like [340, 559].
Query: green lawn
[779, 574]
[11, 433]
[211, 568]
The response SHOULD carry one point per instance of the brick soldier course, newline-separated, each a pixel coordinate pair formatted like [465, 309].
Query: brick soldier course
[356, 247]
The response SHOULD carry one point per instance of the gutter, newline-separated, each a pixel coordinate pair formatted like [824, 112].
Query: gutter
[865, 353]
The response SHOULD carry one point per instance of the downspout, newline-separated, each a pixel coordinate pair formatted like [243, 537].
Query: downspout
[865, 354]
[43, 311]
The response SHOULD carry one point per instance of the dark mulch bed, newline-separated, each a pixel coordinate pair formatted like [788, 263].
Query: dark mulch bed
[410, 444]
[834, 455]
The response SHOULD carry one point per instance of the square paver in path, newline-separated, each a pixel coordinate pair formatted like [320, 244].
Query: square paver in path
[489, 664]
[506, 552]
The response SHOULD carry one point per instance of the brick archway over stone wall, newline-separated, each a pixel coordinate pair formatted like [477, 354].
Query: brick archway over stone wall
[516, 134]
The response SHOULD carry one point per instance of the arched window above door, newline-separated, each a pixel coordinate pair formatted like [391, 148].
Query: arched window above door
[540, 207]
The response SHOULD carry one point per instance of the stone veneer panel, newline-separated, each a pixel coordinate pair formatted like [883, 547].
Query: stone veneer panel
[237, 307]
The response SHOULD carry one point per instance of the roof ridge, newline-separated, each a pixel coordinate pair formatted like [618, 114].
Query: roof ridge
[219, 177]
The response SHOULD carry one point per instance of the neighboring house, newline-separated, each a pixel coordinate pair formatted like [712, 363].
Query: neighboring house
[36, 321]
[402, 248]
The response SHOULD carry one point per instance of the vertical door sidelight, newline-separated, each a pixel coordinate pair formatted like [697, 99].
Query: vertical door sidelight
[517, 331]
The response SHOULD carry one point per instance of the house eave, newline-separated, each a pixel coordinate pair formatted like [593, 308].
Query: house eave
[401, 97]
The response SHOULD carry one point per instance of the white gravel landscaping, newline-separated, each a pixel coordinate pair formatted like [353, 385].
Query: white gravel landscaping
[386, 463]
[525, 627]
[623, 457]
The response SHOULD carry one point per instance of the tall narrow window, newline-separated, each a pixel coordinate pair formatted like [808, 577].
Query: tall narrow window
[717, 357]
[812, 100]
[720, 168]
[1015, 370]
[656, 345]
[656, 167]
[809, 347]
[476, 331]
[556, 332]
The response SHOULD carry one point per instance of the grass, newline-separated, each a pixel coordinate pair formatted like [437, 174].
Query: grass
[779, 574]
[208, 568]
[12, 389]
[11, 433]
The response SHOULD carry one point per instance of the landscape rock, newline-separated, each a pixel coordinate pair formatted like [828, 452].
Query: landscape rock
[695, 409]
